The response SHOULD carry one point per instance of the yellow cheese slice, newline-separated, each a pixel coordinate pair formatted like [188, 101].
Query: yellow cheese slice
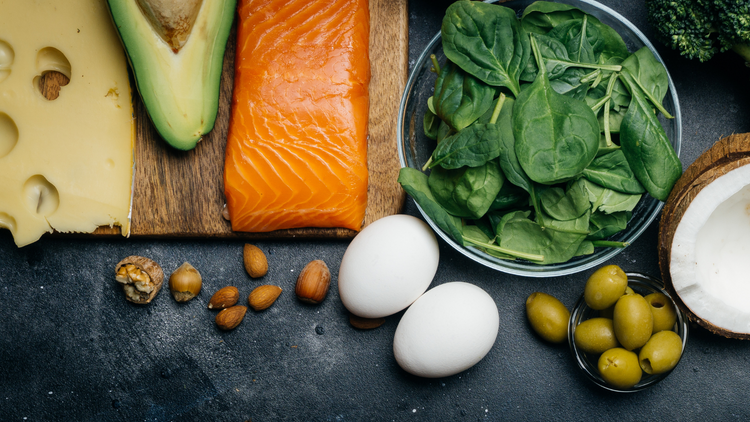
[65, 164]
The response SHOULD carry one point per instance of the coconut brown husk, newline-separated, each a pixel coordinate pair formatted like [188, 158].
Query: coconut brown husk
[726, 155]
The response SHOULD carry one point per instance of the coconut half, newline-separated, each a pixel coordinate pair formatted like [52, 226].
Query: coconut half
[710, 254]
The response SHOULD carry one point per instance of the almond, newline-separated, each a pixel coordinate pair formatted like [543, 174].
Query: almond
[230, 318]
[224, 298]
[263, 297]
[255, 261]
[313, 282]
[365, 323]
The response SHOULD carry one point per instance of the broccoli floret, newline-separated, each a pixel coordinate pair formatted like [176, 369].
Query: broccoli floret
[698, 29]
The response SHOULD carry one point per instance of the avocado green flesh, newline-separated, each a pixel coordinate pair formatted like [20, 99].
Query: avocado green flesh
[179, 89]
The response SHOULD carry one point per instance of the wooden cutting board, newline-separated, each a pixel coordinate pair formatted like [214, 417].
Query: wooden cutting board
[181, 194]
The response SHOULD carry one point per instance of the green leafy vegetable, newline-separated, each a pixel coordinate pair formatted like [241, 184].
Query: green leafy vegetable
[556, 136]
[468, 191]
[471, 147]
[602, 225]
[415, 184]
[486, 41]
[612, 171]
[642, 69]
[646, 147]
[459, 97]
[565, 205]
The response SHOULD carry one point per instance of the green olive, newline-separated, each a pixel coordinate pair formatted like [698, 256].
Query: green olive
[548, 317]
[595, 335]
[619, 368]
[661, 353]
[633, 321]
[663, 310]
[605, 286]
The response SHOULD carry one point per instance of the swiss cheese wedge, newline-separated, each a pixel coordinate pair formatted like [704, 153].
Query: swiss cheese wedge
[65, 164]
[297, 146]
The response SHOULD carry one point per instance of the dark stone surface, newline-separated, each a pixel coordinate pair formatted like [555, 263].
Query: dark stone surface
[71, 347]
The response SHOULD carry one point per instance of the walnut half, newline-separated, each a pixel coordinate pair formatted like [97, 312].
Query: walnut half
[141, 278]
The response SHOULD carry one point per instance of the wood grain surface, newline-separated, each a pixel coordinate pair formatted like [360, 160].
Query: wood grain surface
[181, 194]
[726, 155]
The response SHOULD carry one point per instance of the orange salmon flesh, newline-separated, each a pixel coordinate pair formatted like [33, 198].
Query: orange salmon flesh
[296, 151]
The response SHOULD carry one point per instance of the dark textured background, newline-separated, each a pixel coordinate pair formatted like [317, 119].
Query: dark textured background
[71, 347]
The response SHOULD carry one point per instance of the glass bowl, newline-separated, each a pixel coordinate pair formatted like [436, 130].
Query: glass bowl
[414, 148]
[588, 363]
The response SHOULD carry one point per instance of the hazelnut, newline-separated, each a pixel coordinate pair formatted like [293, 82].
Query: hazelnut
[313, 282]
[141, 278]
[185, 283]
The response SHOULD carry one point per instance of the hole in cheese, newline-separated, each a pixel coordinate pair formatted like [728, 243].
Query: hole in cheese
[54, 70]
[6, 59]
[41, 196]
[8, 134]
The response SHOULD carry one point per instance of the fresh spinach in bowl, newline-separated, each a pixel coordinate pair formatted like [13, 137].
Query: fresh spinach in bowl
[547, 132]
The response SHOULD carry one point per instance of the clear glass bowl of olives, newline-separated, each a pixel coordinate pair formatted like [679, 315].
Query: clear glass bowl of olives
[627, 366]
[415, 149]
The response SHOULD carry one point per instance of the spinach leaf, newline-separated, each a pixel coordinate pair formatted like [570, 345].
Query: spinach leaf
[569, 83]
[444, 131]
[476, 234]
[646, 147]
[603, 225]
[556, 136]
[468, 191]
[580, 38]
[471, 147]
[510, 196]
[608, 200]
[585, 248]
[541, 17]
[556, 242]
[459, 97]
[486, 41]
[642, 69]
[565, 205]
[431, 123]
[612, 171]
[414, 183]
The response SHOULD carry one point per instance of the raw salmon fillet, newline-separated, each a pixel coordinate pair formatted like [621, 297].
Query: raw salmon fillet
[297, 146]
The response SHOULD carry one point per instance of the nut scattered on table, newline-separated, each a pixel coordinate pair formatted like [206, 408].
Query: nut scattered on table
[255, 261]
[141, 278]
[262, 297]
[313, 282]
[365, 323]
[230, 318]
[185, 283]
[224, 298]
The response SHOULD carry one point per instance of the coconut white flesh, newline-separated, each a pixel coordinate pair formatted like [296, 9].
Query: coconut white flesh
[710, 261]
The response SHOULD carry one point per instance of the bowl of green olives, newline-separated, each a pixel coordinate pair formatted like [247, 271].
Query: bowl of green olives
[625, 332]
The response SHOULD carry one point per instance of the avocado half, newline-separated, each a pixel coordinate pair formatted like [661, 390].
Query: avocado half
[176, 51]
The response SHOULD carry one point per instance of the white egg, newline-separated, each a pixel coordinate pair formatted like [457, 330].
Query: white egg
[387, 266]
[447, 330]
